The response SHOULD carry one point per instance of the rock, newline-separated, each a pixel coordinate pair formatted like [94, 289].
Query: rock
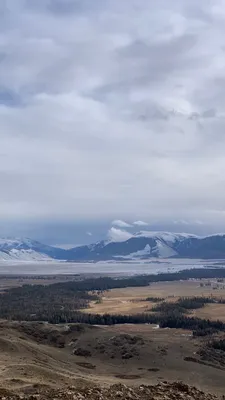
[82, 352]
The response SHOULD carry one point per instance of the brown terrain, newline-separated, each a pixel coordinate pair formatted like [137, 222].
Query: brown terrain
[40, 356]
[163, 391]
[44, 361]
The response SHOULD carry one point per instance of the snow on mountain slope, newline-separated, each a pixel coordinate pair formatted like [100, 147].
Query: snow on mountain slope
[164, 251]
[24, 249]
[21, 243]
[161, 250]
[23, 255]
[139, 254]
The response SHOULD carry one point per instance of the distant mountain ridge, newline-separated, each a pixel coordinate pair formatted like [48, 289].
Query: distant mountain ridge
[25, 249]
[141, 246]
[146, 244]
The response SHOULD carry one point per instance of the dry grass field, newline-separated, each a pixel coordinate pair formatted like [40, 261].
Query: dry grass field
[132, 300]
[211, 311]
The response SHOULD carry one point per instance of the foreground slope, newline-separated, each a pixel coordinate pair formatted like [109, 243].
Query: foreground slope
[37, 357]
[164, 391]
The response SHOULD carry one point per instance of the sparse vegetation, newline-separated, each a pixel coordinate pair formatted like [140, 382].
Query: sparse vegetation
[218, 344]
[204, 332]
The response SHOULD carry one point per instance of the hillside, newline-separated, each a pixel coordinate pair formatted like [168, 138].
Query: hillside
[81, 361]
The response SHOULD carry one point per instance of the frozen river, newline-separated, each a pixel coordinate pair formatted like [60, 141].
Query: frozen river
[105, 268]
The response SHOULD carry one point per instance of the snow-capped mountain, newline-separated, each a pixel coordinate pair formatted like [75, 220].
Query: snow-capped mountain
[140, 246]
[17, 249]
[146, 244]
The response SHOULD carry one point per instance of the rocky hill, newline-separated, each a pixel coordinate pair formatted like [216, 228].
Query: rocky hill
[163, 391]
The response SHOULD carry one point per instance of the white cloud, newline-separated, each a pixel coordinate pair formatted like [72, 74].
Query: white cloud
[181, 222]
[198, 222]
[121, 224]
[112, 108]
[140, 223]
[89, 233]
[118, 235]
[191, 222]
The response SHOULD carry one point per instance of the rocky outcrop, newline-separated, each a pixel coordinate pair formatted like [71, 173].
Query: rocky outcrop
[163, 391]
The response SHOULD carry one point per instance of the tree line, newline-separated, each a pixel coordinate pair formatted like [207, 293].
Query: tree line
[184, 304]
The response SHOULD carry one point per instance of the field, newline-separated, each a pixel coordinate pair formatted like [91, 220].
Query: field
[132, 300]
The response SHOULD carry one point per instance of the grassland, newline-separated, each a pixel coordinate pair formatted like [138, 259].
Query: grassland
[133, 300]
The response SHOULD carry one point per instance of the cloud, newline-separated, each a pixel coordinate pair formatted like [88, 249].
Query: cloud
[89, 233]
[181, 222]
[118, 235]
[121, 224]
[140, 223]
[112, 108]
[198, 222]
[190, 223]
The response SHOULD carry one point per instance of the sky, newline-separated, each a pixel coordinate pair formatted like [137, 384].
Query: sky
[111, 110]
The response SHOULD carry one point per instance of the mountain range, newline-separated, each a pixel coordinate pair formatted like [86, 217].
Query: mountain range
[140, 246]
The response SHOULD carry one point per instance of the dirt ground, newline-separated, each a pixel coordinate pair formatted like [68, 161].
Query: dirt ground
[132, 300]
[33, 354]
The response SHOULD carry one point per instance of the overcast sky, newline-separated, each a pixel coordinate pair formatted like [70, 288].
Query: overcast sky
[111, 109]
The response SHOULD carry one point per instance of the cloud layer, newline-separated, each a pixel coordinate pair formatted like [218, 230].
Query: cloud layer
[121, 224]
[140, 223]
[118, 235]
[112, 108]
